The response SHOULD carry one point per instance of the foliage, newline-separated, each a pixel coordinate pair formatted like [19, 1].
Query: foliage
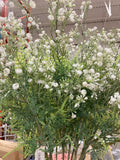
[56, 93]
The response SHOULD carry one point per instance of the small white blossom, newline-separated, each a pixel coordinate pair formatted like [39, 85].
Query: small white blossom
[99, 54]
[40, 82]
[112, 100]
[46, 86]
[29, 36]
[70, 40]
[41, 69]
[11, 4]
[9, 64]
[30, 69]
[85, 84]
[71, 96]
[90, 7]
[54, 84]
[2, 80]
[79, 72]
[18, 71]
[113, 77]
[83, 92]
[61, 11]
[6, 71]
[92, 71]
[2, 4]
[51, 17]
[119, 106]
[32, 4]
[58, 31]
[15, 86]
[23, 11]
[76, 105]
[73, 116]
[30, 19]
[29, 80]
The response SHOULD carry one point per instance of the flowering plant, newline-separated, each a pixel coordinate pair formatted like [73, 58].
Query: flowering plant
[56, 93]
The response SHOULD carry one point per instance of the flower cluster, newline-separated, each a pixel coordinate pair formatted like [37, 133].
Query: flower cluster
[58, 91]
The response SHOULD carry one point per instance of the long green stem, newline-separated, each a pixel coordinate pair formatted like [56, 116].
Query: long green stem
[63, 151]
[76, 152]
[56, 152]
[72, 154]
[50, 155]
[83, 153]
[69, 151]
[46, 154]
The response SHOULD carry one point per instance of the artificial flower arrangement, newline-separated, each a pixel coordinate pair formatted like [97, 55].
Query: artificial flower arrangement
[58, 94]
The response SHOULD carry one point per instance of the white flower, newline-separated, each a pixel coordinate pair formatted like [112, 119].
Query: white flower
[29, 69]
[88, 77]
[2, 4]
[71, 96]
[6, 71]
[23, 11]
[51, 17]
[78, 98]
[10, 15]
[97, 75]
[61, 18]
[79, 72]
[46, 86]
[66, 90]
[99, 63]
[52, 42]
[100, 48]
[32, 4]
[30, 19]
[108, 136]
[83, 92]
[116, 94]
[15, 86]
[72, 18]
[2, 51]
[85, 71]
[2, 80]
[61, 11]
[99, 54]
[9, 64]
[73, 116]
[40, 82]
[112, 100]
[119, 106]
[29, 80]
[85, 84]
[54, 5]
[54, 84]
[2, 19]
[92, 71]
[76, 105]
[11, 4]
[21, 32]
[18, 71]
[29, 36]
[59, 92]
[90, 7]
[58, 31]
[70, 40]
[33, 23]
[41, 69]
[113, 77]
